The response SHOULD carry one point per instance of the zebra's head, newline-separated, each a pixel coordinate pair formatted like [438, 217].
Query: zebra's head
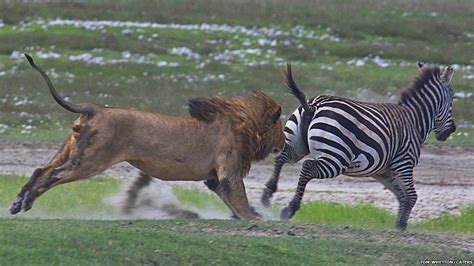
[444, 122]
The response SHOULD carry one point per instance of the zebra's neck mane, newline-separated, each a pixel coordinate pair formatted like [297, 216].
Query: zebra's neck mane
[419, 83]
[417, 100]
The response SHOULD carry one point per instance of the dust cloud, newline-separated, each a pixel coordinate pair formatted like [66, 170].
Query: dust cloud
[156, 201]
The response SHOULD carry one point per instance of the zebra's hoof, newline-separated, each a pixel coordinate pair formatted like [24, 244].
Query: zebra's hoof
[265, 199]
[401, 227]
[286, 214]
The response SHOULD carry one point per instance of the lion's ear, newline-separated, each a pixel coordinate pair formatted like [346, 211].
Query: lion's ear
[203, 109]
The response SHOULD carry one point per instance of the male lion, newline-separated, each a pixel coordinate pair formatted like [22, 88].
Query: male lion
[216, 144]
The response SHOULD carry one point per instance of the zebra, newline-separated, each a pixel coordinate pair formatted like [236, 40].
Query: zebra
[381, 140]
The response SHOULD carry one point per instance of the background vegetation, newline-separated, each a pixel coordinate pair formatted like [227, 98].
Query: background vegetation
[366, 50]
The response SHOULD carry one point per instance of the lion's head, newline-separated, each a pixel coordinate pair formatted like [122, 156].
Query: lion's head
[255, 117]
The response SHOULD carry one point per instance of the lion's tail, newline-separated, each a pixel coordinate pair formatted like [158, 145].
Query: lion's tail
[83, 108]
[290, 83]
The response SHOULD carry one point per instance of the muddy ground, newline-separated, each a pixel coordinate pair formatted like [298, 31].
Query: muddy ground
[443, 179]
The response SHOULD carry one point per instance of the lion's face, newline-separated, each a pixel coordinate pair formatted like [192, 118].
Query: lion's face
[270, 134]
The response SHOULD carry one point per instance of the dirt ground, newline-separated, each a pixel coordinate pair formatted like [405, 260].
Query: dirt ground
[443, 179]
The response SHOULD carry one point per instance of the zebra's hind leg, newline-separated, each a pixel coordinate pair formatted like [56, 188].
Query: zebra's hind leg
[402, 187]
[271, 186]
[142, 181]
[319, 169]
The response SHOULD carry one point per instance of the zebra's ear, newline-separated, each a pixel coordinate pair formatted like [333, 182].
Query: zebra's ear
[421, 65]
[447, 74]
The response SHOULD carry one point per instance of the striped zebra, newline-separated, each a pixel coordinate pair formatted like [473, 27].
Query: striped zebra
[381, 140]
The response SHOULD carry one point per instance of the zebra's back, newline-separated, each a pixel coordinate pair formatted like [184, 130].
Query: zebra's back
[353, 138]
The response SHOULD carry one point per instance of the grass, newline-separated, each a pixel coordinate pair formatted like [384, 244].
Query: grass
[331, 213]
[453, 223]
[204, 242]
[65, 200]
[462, 137]
[136, 68]
[81, 198]
[321, 232]
[321, 212]
[335, 213]
[197, 198]
[50, 134]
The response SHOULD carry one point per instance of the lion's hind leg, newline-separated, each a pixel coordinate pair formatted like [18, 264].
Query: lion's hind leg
[80, 158]
[133, 194]
[133, 191]
[58, 160]
[70, 152]
[83, 155]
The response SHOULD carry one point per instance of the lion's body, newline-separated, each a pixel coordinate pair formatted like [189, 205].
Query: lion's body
[166, 147]
[216, 144]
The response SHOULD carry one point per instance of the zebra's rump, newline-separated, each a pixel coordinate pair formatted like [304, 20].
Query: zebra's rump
[352, 137]
[296, 130]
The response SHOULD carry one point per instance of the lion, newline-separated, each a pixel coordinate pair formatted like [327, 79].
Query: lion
[216, 144]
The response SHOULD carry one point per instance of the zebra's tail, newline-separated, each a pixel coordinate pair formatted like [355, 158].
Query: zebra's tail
[83, 108]
[290, 83]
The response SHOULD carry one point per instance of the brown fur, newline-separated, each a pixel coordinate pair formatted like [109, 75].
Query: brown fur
[246, 121]
[217, 143]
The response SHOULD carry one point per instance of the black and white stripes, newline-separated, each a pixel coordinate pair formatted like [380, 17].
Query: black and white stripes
[343, 136]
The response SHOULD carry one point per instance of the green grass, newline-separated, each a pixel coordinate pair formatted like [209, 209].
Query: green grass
[89, 196]
[331, 233]
[462, 137]
[177, 242]
[405, 32]
[72, 200]
[321, 212]
[45, 135]
[335, 213]
[64, 200]
[450, 222]
[197, 198]
[331, 213]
